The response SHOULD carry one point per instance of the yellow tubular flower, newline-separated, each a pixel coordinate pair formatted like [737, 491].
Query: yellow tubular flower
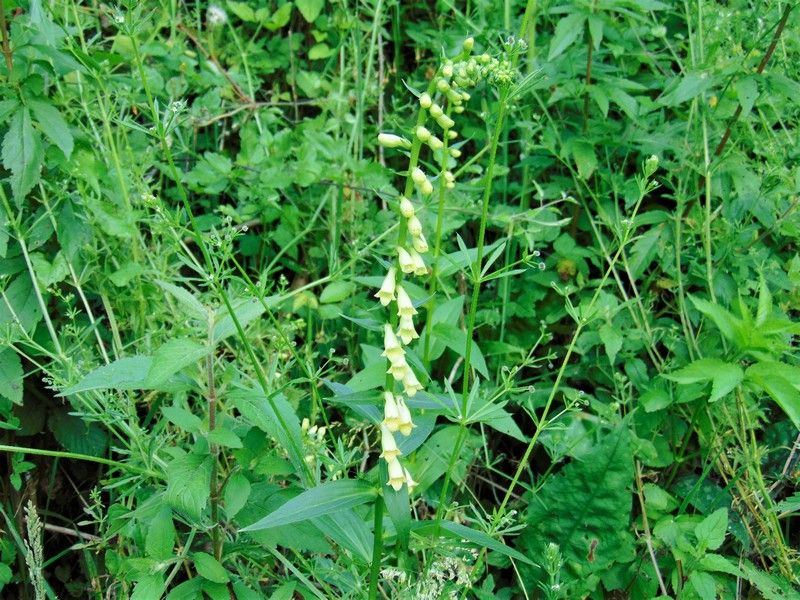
[391, 345]
[404, 305]
[406, 208]
[420, 243]
[419, 265]
[414, 226]
[386, 293]
[391, 412]
[411, 384]
[406, 330]
[398, 369]
[397, 475]
[389, 448]
[406, 424]
[405, 260]
[409, 480]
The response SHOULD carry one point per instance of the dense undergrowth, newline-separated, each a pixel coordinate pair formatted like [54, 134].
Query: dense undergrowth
[567, 229]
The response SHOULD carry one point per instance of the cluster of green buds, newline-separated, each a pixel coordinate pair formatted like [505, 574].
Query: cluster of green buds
[445, 96]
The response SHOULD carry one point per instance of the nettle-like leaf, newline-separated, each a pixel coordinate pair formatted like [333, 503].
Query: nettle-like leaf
[724, 376]
[586, 510]
[22, 153]
[188, 481]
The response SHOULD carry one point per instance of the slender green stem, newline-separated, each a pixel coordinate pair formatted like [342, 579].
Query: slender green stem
[377, 549]
[85, 457]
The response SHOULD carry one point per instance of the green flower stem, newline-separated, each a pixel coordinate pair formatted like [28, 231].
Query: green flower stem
[473, 309]
[437, 246]
[377, 549]
[75, 456]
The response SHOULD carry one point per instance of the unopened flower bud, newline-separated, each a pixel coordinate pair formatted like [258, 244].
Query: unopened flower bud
[409, 480]
[425, 101]
[468, 44]
[406, 208]
[452, 134]
[459, 109]
[445, 122]
[414, 226]
[447, 69]
[426, 189]
[389, 140]
[443, 86]
[418, 176]
[436, 111]
[423, 134]
[455, 152]
[435, 143]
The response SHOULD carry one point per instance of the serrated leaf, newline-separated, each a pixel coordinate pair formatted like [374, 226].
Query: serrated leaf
[689, 86]
[746, 92]
[160, 537]
[567, 31]
[779, 389]
[585, 158]
[710, 532]
[22, 153]
[703, 584]
[123, 374]
[182, 418]
[53, 125]
[192, 305]
[209, 568]
[612, 341]
[326, 498]
[235, 495]
[11, 375]
[188, 481]
[724, 376]
[171, 357]
[585, 509]
[76, 435]
[310, 9]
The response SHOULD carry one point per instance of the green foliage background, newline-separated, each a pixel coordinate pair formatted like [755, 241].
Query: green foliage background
[196, 215]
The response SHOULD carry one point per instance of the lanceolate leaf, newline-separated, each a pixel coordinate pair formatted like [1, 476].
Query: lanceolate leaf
[53, 125]
[329, 497]
[22, 153]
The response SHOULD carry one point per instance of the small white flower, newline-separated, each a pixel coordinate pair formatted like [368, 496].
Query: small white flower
[452, 134]
[398, 368]
[405, 260]
[443, 86]
[455, 152]
[386, 293]
[391, 412]
[397, 476]
[414, 226]
[420, 243]
[447, 70]
[411, 384]
[389, 448]
[406, 208]
[216, 15]
[406, 424]
[389, 140]
[419, 177]
[435, 143]
[406, 331]
[426, 189]
[404, 305]
[436, 111]
[423, 134]
[425, 100]
[445, 122]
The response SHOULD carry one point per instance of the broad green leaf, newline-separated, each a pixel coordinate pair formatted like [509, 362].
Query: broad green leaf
[160, 537]
[188, 481]
[724, 376]
[123, 374]
[209, 568]
[704, 585]
[612, 340]
[398, 507]
[192, 305]
[329, 497]
[336, 292]
[710, 532]
[280, 17]
[172, 357]
[310, 9]
[22, 153]
[222, 436]
[779, 389]
[719, 564]
[455, 339]
[235, 495]
[724, 320]
[567, 31]
[772, 586]
[182, 418]
[585, 509]
[77, 435]
[689, 86]
[349, 531]
[21, 296]
[747, 92]
[149, 587]
[53, 125]
[11, 374]
[585, 158]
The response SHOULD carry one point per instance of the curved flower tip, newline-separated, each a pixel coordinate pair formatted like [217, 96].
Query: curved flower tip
[414, 226]
[404, 305]
[420, 243]
[409, 480]
[391, 345]
[406, 423]
[386, 293]
[391, 412]
[406, 330]
[411, 384]
[389, 140]
[389, 449]
[405, 260]
[397, 475]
